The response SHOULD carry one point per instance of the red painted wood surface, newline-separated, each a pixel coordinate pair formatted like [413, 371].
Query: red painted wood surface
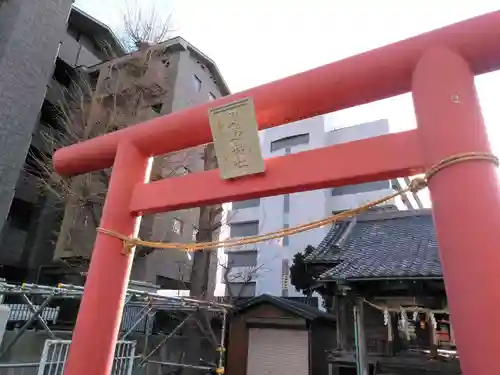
[465, 203]
[372, 159]
[99, 317]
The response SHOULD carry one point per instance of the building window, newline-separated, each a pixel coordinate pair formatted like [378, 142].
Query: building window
[72, 31]
[195, 234]
[337, 213]
[361, 188]
[242, 258]
[286, 239]
[294, 140]
[93, 78]
[197, 83]
[49, 113]
[286, 203]
[62, 73]
[20, 214]
[250, 228]
[211, 96]
[157, 107]
[241, 289]
[177, 225]
[181, 170]
[246, 204]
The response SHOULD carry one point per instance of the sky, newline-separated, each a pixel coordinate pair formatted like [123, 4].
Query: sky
[255, 42]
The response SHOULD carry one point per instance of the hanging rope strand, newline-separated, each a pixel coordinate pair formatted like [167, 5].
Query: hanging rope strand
[415, 185]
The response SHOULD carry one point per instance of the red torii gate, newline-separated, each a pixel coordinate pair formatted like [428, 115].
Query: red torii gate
[437, 67]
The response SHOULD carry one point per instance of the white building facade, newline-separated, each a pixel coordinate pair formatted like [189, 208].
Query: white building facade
[264, 268]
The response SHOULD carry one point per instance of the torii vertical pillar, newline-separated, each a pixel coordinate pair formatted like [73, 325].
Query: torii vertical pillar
[465, 204]
[101, 309]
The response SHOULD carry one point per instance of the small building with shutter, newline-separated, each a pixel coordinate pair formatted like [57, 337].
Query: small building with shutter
[272, 335]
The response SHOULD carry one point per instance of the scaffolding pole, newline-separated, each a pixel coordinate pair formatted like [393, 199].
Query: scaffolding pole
[159, 302]
[222, 348]
[166, 338]
[149, 303]
[140, 315]
[35, 316]
[42, 321]
[19, 365]
[175, 364]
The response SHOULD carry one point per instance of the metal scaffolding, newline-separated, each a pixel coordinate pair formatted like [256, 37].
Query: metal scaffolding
[146, 303]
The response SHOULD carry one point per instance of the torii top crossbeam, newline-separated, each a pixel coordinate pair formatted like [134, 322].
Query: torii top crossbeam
[371, 76]
[437, 67]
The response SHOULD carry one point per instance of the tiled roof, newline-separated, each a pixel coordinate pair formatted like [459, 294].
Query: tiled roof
[298, 308]
[393, 244]
[241, 301]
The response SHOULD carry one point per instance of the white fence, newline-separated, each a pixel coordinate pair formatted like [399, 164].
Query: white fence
[55, 353]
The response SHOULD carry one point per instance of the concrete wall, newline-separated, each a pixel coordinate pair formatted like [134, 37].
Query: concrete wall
[30, 33]
[75, 53]
[175, 264]
[349, 134]
[304, 207]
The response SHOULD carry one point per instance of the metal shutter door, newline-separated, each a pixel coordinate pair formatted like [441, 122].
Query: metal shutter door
[278, 352]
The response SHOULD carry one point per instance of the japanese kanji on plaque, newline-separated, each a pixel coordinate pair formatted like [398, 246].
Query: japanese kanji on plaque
[236, 139]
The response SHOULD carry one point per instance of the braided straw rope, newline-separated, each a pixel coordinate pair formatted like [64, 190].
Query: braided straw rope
[416, 185]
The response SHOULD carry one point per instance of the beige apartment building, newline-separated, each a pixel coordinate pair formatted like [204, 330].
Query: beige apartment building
[177, 76]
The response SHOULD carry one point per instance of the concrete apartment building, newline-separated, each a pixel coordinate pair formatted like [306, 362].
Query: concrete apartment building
[35, 54]
[272, 260]
[178, 76]
[43, 44]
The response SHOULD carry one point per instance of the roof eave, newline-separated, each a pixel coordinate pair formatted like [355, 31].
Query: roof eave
[279, 302]
[181, 42]
[219, 79]
[120, 48]
[378, 278]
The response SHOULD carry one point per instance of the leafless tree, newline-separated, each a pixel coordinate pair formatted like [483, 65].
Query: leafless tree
[243, 276]
[117, 101]
[123, 92]
[145, 28]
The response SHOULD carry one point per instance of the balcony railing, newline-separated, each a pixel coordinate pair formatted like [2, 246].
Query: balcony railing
[22, 313]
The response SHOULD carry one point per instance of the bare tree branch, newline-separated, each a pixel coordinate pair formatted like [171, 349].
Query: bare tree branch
[126, 90]
[243, 277]
[143, 30]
